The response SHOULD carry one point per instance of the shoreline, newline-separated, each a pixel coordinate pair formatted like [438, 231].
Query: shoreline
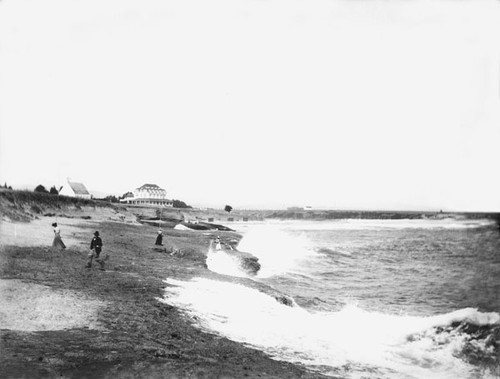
[138, 336]
[127, 332]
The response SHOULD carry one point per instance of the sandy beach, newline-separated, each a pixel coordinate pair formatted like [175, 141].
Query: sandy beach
[59, 319]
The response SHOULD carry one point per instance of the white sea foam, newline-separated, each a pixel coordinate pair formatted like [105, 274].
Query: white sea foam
[349, 341]
[278, 251]
[448, 223]
[373, 224]
[224, 263]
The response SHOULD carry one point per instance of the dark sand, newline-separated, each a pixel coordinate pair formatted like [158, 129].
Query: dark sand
[61, 320]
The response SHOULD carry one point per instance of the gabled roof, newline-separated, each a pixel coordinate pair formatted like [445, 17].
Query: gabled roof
[149, 186]
[78, 188]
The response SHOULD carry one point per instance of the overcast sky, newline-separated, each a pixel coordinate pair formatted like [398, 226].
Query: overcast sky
[256, 103]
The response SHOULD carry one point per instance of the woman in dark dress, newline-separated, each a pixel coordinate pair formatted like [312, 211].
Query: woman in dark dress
[159, 238]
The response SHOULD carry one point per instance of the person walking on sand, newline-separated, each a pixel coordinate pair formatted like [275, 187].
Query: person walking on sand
[159, 238]
[95, 251]
[58, 242]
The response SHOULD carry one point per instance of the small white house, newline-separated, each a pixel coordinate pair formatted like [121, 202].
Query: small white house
[75, 189]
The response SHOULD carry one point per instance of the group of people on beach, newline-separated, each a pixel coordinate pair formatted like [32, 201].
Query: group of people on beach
[95, 247]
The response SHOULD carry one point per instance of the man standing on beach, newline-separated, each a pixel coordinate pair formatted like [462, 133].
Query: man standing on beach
[95, 251]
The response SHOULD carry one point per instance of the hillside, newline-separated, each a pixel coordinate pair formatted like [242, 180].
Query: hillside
[26, 205]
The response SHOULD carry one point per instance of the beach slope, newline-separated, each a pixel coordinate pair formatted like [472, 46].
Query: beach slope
[58, 319]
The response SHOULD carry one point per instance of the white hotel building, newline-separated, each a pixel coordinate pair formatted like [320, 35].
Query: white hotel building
[148, 195]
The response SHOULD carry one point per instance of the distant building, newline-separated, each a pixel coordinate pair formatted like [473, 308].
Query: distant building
[148, 194]
[297, 209]
[75, 189]
[128, 194]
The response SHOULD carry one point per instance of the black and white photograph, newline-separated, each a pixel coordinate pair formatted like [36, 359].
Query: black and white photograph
[250, 189]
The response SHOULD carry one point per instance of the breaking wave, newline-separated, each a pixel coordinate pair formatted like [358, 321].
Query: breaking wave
[225, 263]
[376, 224]
[351, 342]
[278, 251]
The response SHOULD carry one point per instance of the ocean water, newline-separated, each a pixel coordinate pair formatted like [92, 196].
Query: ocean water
[359, 298]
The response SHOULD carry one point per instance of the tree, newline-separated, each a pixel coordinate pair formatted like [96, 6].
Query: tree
[125, 195]
[228, 208]
[40, 188]
[180, 204]
[53, 190]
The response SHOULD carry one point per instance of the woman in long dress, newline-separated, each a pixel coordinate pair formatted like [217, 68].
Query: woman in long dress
[58, 242]
[218, 245]
[159, 238]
